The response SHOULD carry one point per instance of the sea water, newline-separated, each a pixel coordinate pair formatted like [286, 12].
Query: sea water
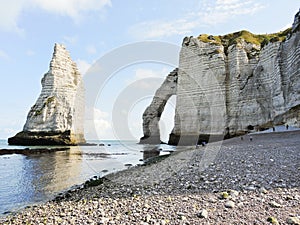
[36, 178]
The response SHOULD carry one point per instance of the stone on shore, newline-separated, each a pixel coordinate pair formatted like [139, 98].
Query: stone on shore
[203, 214]
[157, 194]
[293, 221]
[272, 220]
[230, 204]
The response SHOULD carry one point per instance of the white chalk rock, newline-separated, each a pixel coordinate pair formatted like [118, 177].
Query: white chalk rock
[57, 117]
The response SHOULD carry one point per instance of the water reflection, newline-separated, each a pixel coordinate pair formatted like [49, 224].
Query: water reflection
[34, 178]
[150, 152]
[27, 179]
[44, 175]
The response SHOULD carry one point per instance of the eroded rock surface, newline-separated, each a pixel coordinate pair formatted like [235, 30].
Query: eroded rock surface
[229, 85]
[57, 116]
[153, 112]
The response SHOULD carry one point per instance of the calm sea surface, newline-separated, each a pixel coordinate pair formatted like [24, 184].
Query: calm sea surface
[30, 179]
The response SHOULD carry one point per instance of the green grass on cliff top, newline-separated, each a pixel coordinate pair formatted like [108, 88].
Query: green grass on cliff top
[234, 38]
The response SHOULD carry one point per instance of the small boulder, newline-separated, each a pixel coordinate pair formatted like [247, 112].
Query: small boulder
[272, 220]
[275, 204]
[203, 214]
[234, 193]
[224, 195]
[263, 190]
[230, 204]
[293, 221]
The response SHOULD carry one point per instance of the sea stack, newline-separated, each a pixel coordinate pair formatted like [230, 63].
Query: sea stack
[57, 117]
[230, 85]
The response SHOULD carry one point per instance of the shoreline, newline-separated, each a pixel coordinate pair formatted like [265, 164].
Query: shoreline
[88, 181]
[255, 174]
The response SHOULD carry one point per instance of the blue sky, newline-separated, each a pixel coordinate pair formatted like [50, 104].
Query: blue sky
[91, 29]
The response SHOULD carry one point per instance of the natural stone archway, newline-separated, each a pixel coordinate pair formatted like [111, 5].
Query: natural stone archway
[153, 112]
[226, 83]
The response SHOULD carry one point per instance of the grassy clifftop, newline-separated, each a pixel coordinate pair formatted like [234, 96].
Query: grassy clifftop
[233, 38]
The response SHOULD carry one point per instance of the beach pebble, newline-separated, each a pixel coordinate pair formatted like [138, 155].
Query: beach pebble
[250, 188]
[230, 204]
[234, 193]
[293, 221]
[156, 193]
[263, 190]
[272, 220]
[275, 204]
[203, 214]
[224, 195]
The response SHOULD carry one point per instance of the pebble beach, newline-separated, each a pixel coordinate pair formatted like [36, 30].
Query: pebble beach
[249, 180]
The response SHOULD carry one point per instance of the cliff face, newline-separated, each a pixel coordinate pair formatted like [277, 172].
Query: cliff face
[57, 116]
[232, 84]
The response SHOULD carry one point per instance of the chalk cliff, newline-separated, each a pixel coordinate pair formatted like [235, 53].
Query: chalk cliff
[57, 116]
[232, 84]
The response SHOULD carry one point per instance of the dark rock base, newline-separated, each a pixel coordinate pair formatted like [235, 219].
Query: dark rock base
[150, 140]
[45, 138]
[188, 140]
[31, 151]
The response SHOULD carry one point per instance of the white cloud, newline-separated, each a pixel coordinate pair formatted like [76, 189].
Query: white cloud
[95, 118]
[95, 114]
[30, 53]
[155, 29]
[70, 40]
[102, 123]
[222, 11]
[71, 8]
[141, 78]
[9, 14]
[209, 13]
[83, 66]
[11, 10]
[3, 55]
[99, 115]
[91, 49]
[147, 73]
[226, 2]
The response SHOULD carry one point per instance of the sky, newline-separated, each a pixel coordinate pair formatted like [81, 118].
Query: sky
[92, 29]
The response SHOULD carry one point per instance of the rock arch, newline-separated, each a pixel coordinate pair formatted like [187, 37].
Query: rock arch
[153, 112]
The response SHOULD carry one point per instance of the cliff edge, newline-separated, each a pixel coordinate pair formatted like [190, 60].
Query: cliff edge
[234, 84]
[58, 114]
